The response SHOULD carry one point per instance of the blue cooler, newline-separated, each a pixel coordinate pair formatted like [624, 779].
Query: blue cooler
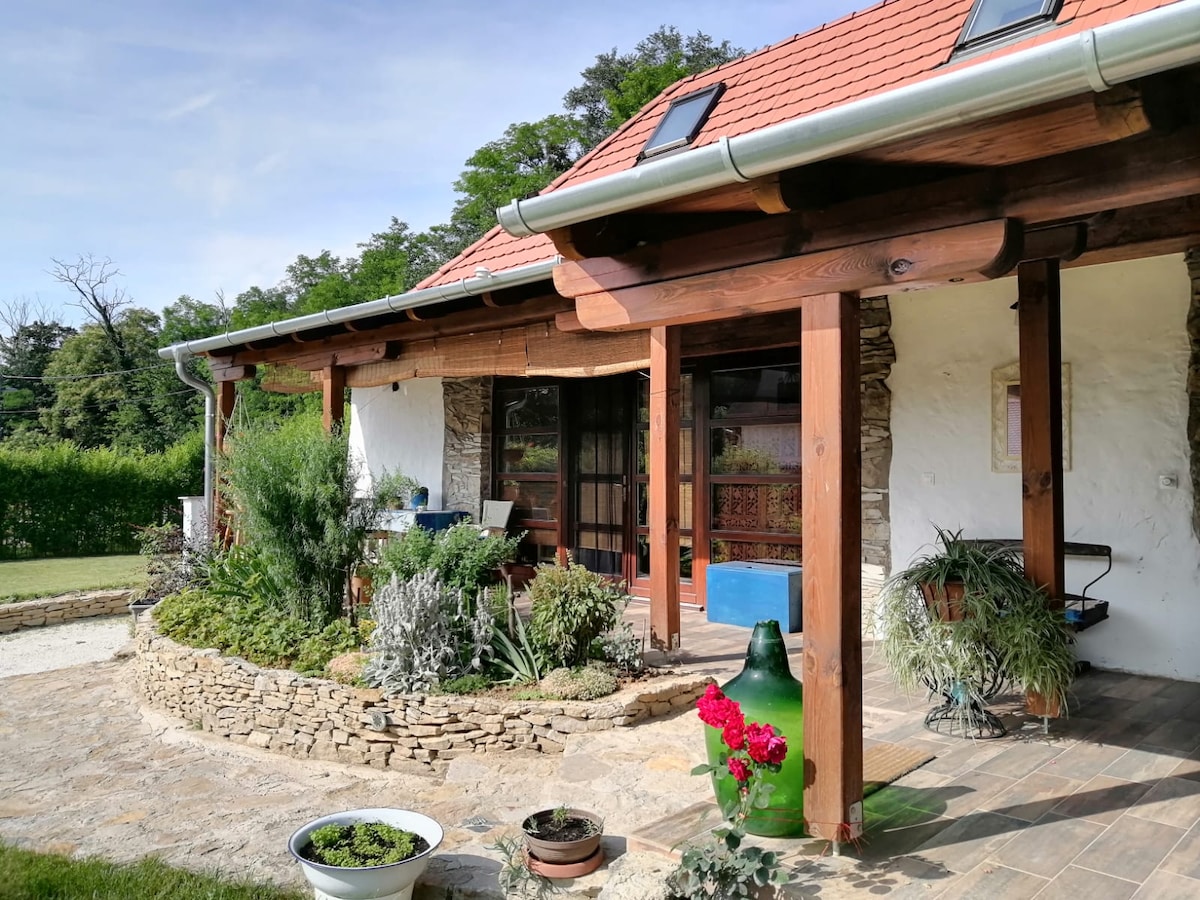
[743, 593]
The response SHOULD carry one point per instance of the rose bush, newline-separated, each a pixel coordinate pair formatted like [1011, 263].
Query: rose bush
[722, 867]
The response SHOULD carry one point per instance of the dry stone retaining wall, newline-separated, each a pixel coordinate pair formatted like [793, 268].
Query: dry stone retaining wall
[56, 610]
[319, 719]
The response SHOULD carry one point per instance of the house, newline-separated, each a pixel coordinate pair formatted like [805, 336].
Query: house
[926, 264]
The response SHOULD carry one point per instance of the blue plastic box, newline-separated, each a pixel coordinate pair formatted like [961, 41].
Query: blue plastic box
[743, 593]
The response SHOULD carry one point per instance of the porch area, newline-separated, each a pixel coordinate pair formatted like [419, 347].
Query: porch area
[1106, 805]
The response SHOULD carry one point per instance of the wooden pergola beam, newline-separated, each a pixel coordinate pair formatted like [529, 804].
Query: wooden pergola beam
[663, 465]
[832, 580]
[969, 252]
[538, 309]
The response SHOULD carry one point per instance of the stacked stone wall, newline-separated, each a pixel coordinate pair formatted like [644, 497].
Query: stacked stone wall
[1193, 384]
[466, 461]
[878, 356]
[64, 608]
[318, 719]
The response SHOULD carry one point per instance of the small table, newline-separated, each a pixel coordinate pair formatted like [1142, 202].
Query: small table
[401, 520]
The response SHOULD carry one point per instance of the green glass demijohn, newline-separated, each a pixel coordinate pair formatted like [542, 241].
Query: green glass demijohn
[768, 694]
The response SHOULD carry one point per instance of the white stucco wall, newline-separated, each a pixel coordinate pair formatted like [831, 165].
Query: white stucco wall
[1123, 334]
[401, 430]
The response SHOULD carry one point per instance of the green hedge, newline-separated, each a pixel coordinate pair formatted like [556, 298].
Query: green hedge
[63, 501]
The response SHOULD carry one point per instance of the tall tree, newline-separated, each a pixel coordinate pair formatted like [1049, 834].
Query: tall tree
[24, 355]
[608, 97]
[527, 158]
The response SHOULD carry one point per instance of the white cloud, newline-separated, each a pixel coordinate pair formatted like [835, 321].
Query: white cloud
[191, 105]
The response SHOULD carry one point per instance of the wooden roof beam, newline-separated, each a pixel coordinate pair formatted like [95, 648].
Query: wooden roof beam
[536, 309]
[970, 252]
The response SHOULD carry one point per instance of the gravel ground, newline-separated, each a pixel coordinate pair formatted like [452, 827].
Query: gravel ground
[58, 646]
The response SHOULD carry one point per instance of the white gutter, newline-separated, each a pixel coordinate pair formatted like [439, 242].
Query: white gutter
[483, 282]
[1141, 45]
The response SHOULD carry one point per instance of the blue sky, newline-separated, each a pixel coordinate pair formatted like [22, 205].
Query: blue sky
[203, 145]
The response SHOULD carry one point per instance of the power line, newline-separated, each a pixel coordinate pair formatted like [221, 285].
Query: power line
[81, 377]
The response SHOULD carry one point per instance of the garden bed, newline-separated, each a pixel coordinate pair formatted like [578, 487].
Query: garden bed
[64, 608]
[319, 719]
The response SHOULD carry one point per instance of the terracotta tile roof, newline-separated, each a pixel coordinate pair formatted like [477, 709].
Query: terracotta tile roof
[894, 43]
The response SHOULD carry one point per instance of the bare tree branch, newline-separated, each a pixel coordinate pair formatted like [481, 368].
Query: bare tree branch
[19, 312]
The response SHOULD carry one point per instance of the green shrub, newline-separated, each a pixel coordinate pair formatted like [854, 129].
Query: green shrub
[463, 558]
[466, 684]
[60, 500]
[587, 683]
[571, 608]
[254, 630]
[294, 492]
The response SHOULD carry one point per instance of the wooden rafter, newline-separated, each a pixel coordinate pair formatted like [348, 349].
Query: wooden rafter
[971, 252]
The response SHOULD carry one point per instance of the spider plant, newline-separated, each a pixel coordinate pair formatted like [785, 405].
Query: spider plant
[1003, 631]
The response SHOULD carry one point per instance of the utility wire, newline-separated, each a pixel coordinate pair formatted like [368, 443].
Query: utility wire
[102, 403]
[80, 377]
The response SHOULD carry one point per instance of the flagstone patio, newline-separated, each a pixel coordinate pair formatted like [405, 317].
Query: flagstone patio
[1106, 804]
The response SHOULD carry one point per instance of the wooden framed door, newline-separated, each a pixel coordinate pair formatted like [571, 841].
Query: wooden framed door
[599, 421]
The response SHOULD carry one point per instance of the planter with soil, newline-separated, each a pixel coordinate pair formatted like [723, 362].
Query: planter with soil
[563, 842]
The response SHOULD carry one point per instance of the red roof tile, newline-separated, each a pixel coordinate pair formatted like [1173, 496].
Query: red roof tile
[894, 43]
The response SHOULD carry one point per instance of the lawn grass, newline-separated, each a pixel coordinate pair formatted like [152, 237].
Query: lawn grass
[25, 875]
[24, 579]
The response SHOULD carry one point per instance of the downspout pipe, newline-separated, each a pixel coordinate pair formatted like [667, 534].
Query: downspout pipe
[210, 427]
[1097, 59]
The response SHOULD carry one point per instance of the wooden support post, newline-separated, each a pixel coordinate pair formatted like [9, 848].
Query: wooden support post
[664, 487]
[1039, 323]
[333, 396]
[226, 395]
[832, 501]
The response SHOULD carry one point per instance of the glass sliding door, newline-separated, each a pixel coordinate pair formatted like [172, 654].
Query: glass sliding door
[527, 436]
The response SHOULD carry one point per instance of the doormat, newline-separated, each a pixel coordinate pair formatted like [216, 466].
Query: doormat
[883, 763]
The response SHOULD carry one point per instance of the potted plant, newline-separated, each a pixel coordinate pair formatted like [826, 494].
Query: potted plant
[965, 622]
[395, 489]
[365, 854]
[563, 842]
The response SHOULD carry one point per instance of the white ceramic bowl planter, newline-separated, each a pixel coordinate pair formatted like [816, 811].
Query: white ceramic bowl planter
[393, 881]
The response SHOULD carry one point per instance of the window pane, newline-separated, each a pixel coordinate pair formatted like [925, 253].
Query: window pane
[996, 15]
[744, 551]
[686, 408]
[532, 407]
[540, 546]
[756, 391]
[687, 452]
[530, 453]
[685, 557]
[531, 499]
[685, 505]
[756, 449]
[756, 507]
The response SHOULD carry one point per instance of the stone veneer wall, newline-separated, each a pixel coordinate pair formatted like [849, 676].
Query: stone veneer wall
[319, 719]
[1193, 384]
[56, 610]
[467, 459]
[878, 355]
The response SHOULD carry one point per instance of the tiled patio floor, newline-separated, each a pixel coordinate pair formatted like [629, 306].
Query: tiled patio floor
[1106, 805]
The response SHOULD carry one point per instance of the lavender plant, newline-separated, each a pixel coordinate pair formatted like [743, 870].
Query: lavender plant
[424, 633]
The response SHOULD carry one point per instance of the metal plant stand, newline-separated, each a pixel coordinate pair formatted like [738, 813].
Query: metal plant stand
[961, 714]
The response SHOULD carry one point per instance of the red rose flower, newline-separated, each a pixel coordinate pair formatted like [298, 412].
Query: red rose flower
[734, 733]
[739, 770]
[764, 745]
[716, 709]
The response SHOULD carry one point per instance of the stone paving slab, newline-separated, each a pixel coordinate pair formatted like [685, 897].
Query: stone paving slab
[85, 770]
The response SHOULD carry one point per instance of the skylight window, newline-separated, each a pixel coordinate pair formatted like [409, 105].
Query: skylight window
[993, 20]
[683, 121]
